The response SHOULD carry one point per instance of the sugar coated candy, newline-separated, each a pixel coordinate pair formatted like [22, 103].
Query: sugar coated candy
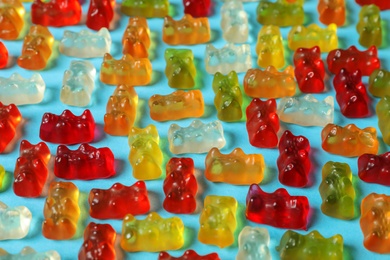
[78, 83]
[186, 31]
[145, 154]
[369, 26]
[188, 255]
[280, 13]
[37, 48]
[352, 59]
[118, 201]
[22, 91]
[100, 14]
[12, 19]
[374, 168]
[198, 137]
[177, 105]
[3, 55]
[262, 123]
[253, 243]
[14, 222]
[136, 38]
[85, 43]
[382, 4]
[234, 22]
[10, 118]
[31, 169]
[99, 242]
[56, 13]
[332, 11]
[61, 211]
[85, 163]
[67, 128]
[269, 47]
[306, 110]
[2, 176]
[127, 70]
[121, 111]
[218, 221]
[337, 191]
[379, 83]
[270, 83]
[180, 186]
[29, 253]
[349, 141]
[228, 58]
[149, 9]
[234, 168]
[278, 209]
[180, 68]
[197, 8]
[383, 113]
[311, 246]
[374, 222]
[152, 234]
[313, 35]
[228, 97]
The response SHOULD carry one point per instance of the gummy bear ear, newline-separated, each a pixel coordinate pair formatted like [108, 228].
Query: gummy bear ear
[372, 51]
[168, 21]
[104, 32]
[289, 71]
[107, 57]
[69, 34]
[37, 78]
[62, 149]
[25, 145]
[316, 50]
[332, 27]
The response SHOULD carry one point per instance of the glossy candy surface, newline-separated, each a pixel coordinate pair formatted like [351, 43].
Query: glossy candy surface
[10, 118]
[234, 22]
[374, 168]
[379, 83]
[332, 11]
[280, 13]
[56, 13]
[14, 222]
[253, 243]
[197, 8]
[180, 69]
[188, 255]
[269, 47]
[382, 4]
[136, 39]
[100, 14]
[369, 26]
[2, 176]
[149, 9]
[29, 253]
[3, 56]
[12, 19]
[383, 112]
[313, 35]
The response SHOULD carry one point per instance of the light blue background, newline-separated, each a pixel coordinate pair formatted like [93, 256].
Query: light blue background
[235, 133]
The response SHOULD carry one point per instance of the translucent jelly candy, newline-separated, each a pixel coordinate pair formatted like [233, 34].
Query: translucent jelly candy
[56, 12]
[2, 175]
[100, 14]
[369, 26]
[31, 169]
[332, 11]
[10, 118]
[152, 234]
[197, 8]
[280, 13]
[313, 35]
[218, 221]
[149, 9]
[12, 19]
[3, 55]
[136, 39]
[61, 211]
[337, 191]
[253, 243]
[383, 112]
[234, 22]
[382, 4]
[234, 168]
[278, 209]
[379, 83]
[118, 201]
[177, 105]
[180, 69]
[188, 255]
[269, 47]
[14, 222]
[374, 168]
[29, 253]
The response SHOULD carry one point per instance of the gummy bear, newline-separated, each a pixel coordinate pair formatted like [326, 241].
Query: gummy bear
[118, 201]
[180, 69]
[2, 176]
[262, 123]
[369, 26]
[100, 14]
[136, 39]
[332, 11]
[313, 35]
[14, 222]
[269, 47]
[280, 13]
[278, 209]
[56, 13]
[149, 9]
[3, 55]
[29, 253]
[12, 19]
[351, 93]
[31, 169]
[180, 186]
[188, 255]
[152, 234]
[379, 83]
[382, 4]
[253, 243]
[218, 221]
[10, 118]
[383, 113]
[234, 22]
[197, 8]
[61, 211]
[374, 168]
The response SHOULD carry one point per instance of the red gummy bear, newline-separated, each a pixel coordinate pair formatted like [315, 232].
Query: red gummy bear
[56, 12]
[85, 163]
[31, 169]
[262, 123]
[3, 56]
[309, 70]
[382, 4]
[100, 14]
[352, 59]
[188, 255]
[197, 8]
[10, 118]
[180, 186]
[118, 201]
[293, 162]
[375, 168]
[99, 242]
[351, 94]
[277, 209]
[67, 128]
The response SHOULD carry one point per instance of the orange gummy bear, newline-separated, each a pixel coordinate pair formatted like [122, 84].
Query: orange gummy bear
[11, 19]
[136, 39]
[332, 11]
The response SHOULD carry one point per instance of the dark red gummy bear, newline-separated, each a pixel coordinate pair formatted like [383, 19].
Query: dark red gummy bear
[293, 162]
[197, 8]
[375, 168]
[180, 186]
[277, 209]
[100, 14]
[10, 118]
[3, 56]
[309, 70]
[262, 123]
[85, 163]
[31, 169]
[382, 4]
[67, 128]
[118, 201]
[351, 94]
[352, 59]
[188, 255]
[56, 12]
[99, 242]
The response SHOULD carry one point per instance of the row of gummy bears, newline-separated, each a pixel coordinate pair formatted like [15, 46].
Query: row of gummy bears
[218, 217]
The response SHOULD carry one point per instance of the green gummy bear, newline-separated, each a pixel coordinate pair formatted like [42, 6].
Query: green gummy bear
[369, 26]
[180, 69]
[280, 13]
[145, 8]
[383, 113]
[379, 83]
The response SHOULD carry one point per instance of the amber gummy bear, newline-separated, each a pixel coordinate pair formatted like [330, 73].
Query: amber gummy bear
[136, 39]
[11, 19]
